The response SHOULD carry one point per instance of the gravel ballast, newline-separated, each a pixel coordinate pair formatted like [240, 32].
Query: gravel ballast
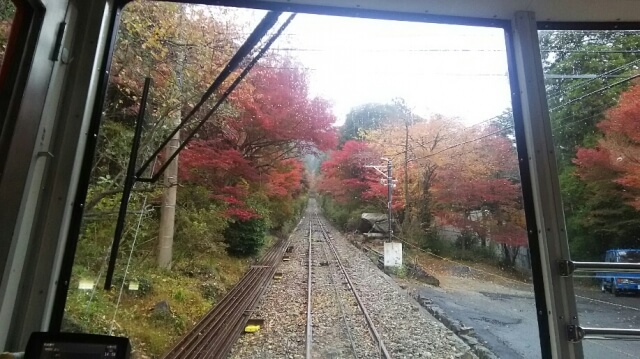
[407, 330]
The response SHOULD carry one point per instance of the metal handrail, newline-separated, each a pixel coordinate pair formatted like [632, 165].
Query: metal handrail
[567, 268]
[577, 333]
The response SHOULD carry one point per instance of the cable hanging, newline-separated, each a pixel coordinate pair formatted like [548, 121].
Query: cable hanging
[126, 268]
[215, 107]
[583, 83]
[581, 98]
[134, 175]
[258, 33]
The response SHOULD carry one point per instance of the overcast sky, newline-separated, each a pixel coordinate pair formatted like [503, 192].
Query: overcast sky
[457, 71]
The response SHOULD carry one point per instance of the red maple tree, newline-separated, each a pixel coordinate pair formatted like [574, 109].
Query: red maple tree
[616, 157]
[478, 194]
[255, 143]
[347, 179]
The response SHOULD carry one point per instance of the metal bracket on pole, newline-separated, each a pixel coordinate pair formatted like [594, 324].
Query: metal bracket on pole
[390, 185]
[575, 333]
[566, 268]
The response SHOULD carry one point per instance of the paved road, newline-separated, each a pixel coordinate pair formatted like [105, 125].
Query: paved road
[503, 316]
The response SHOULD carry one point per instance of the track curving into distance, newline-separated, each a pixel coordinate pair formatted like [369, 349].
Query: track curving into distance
[338, 324]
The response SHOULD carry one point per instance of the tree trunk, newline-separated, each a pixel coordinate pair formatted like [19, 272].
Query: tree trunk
[168, 209]
[424, 207]
[510, 253]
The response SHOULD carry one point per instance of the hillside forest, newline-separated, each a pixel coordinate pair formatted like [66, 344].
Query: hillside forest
[244, 180]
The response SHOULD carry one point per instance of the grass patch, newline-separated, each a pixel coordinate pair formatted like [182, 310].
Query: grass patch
[191, 289]
[399, 271]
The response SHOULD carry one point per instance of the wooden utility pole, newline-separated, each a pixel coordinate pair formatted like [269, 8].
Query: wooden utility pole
[390, 185]
[406, 171]
[168, 209]
[387, 178]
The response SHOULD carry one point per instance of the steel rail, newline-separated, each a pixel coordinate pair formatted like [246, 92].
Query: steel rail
[216, 332]
[309, 316]
[236, 331]
[202, 334]
[222, 344]
[369, 321]
[221, 334]
[340, 305]
[210, 336]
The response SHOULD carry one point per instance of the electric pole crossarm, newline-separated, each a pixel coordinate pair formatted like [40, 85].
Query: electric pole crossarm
[390, 184]
[378, 168]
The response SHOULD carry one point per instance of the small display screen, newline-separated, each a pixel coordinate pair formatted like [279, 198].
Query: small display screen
[62, 350]
[43, 345]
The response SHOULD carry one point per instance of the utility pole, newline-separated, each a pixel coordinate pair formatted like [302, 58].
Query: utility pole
[407, 215]
[391, 183]
[392, 251]
[169, 195]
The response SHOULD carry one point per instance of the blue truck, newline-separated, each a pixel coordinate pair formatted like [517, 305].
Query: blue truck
[618, 283]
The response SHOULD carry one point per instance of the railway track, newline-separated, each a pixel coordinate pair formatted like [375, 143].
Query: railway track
[338, 324]
[214, 335]
[316, 309]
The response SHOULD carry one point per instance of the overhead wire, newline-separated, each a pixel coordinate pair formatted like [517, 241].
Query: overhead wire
[583, 83]
[221, 100]
[617, 83]
[511, 126]
[501, 50]
[266, 23]
[133, 246]
[555, 108]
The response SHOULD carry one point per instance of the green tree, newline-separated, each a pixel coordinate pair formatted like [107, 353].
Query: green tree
[597, 217]
[577, 104]
[368, 117]
[245, 238]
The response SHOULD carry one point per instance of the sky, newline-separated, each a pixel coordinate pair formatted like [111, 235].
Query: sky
[456, 71]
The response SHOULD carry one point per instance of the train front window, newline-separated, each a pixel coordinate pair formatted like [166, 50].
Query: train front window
[339, 114]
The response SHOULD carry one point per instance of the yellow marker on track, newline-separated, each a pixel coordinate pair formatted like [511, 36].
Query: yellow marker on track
[253, 325]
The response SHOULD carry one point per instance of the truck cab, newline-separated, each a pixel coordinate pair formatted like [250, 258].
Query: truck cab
[618, 283]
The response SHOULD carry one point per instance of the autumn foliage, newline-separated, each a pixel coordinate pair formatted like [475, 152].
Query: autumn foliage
[346, 177]
[476, 193]
[616, 158]
[245, 162]
[446, 175]
[256, 147]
